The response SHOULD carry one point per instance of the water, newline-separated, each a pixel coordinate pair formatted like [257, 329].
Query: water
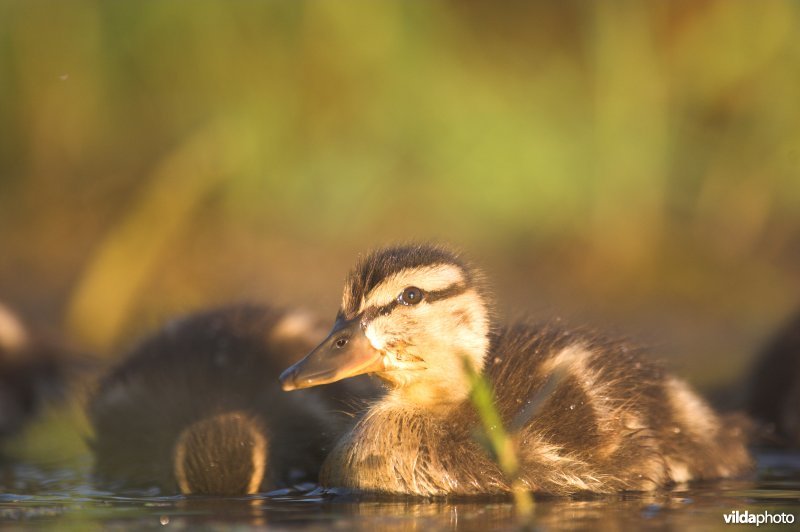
[65, 499]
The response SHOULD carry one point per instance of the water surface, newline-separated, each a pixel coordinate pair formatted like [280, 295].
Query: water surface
[65, 499]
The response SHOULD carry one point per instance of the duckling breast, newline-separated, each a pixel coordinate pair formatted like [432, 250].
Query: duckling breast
[399, 449]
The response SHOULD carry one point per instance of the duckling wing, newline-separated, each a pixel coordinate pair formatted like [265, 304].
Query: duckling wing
[605, 418]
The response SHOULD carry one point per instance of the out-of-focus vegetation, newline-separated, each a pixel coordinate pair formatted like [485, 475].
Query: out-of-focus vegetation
[636, 161]
[499, 443]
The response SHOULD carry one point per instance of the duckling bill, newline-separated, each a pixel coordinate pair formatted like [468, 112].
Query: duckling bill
[411, 315]
[187, 410]
[346, 352]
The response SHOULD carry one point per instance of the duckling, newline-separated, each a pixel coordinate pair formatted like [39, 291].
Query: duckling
[413, 314]
[187, 410]
[775, 393]
[31, 372]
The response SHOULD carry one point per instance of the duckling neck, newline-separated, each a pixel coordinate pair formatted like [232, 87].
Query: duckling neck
[426, 398]
[438, 387]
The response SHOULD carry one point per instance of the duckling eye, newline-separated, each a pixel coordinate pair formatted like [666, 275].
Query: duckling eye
[411, 296]
[341, 342]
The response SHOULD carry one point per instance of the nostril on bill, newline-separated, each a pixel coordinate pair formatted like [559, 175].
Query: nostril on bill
[287, 378]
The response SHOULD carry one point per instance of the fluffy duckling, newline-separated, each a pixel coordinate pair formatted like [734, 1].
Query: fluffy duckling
[31, 371]
[412, 315]
[188, 409]
[775, 393]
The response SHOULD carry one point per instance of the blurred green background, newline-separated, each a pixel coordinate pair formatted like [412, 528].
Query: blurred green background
[630, 164]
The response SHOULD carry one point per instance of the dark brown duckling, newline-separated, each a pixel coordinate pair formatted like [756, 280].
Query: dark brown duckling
[414, 315]
[32, 372]
[775, 391]
[196, 408]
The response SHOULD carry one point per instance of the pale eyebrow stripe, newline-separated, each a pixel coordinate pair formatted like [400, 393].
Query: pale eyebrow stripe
[437, 277]
[373, 311]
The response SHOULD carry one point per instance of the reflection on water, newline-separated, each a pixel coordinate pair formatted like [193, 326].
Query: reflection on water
[65, 498]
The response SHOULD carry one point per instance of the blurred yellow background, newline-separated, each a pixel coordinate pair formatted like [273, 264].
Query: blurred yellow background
[629, 164]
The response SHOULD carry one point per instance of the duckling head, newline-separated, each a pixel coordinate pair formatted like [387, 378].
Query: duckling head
[409, 315]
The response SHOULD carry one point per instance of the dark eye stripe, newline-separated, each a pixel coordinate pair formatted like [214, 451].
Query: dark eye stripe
[372, 312]
[451, 291]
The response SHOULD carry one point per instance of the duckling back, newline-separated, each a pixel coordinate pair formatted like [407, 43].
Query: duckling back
[196, 408]
[615, 421]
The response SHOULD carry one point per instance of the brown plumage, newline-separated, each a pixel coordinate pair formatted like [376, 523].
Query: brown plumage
[613, 422]
[196, 408]
[775, 390]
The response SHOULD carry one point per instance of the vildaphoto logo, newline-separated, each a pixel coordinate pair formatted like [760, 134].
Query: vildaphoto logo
[762, 518]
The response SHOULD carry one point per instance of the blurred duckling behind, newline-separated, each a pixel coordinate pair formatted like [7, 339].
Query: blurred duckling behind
[775, 390]
[413, 315]
[196, 408]
[31, 373]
